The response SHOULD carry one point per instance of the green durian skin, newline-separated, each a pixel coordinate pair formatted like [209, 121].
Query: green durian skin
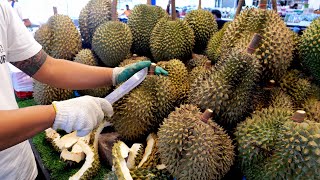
[309, 49]
[203, 25]
[141, 21]
[171, 40]
[112, 42]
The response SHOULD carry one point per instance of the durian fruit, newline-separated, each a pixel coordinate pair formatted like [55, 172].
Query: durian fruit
[200, 71]
[135, 153]
[133, 59]
[65, 39]
[213, 50]
[203, 25]
[256, 139]
[112, 42]
[59, 143]
[312, 108]
[196, 61]
[83, 25]
[75, 155]
[150, 158]
[85, 56]
[228, 89]
[193, 146]
[99, 12]
[178, 76]
[275, 51]
[150, 174]
[280, 99]
[143, 109]
[44, 94]
[92, 164]
[298, 88]
[43, 36]
[171, 40]
[120, 151]
[142, 20]
[297, 152]
[309, 49]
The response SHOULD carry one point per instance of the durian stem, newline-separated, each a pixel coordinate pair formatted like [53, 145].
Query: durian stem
[254, 44]
[199, 6]
[239, 8]
[152, 69]
[207, 65]
[114, 10]
[274, 5]
[263, 4]
[173, 10]
[299, 116]
[206, 115]
[149, 2]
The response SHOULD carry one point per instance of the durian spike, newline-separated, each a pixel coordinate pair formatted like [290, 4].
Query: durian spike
[263, 4]
[114, 15]
[206, 115]
[173, 9]
[152, 69]
[239, 8]
[254, 44]
[208, 65]
[299, 116]
[270, 84]
[274, 5]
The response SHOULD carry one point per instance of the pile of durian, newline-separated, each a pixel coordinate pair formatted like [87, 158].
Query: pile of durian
[243, 98]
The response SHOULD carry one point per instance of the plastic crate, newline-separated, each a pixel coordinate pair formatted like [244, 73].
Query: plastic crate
[23, 94]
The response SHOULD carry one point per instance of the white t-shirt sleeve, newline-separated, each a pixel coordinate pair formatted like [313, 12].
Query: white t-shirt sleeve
[21, 44]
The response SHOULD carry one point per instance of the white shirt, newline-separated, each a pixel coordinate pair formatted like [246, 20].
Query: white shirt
[17, 7]
[16, 44]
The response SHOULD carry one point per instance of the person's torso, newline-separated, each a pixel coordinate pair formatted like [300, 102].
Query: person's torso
[18, 161]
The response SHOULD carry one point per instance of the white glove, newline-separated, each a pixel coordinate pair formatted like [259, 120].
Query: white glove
[81, 114]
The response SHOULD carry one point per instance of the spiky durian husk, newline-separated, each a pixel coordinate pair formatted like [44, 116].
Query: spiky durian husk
[197, 72]
[151, 157]
[83, 25]
[115, 46]
[178, 76]
[85, 56]
[280, 99]
[171, 39]
[213, 50]
[274, 58]
[92, 164]
[192, 149]
[141, 21]
[139, 155]
[144, 108]
[119, 152]
[99, 13]
[203, 25]
[66, 39]
[297, 152]
[196, 61]
[227, 90]
[43, 36]
[150, 174]
[256, 138]
[312, 108]
[309, 49]
[298, 88]
[44, 94]
[132, 60]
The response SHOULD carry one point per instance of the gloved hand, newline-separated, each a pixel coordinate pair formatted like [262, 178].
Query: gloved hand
[80, 114]
[121, 74]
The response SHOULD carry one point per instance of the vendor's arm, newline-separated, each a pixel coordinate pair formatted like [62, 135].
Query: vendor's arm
[21, 124]
[65, 74]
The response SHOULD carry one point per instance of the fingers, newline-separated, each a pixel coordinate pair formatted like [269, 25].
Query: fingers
[140, 65]
[105, 106]
[160, 71]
